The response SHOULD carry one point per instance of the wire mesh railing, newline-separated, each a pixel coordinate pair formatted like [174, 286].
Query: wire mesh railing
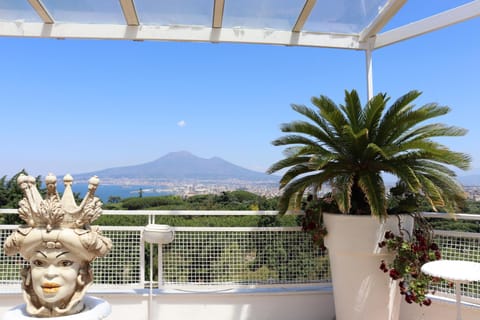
[222, 256]
[225, 256]
[125, 264]
[197, 256]
[9, 266]
[459, 246]
[123, 267]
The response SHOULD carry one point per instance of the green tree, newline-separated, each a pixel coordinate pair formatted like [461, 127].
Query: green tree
[11, 194]
[114, 199]
[3, 191]
[350, 146]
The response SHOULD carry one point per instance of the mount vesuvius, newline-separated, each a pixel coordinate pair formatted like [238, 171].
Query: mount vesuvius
[182, 165]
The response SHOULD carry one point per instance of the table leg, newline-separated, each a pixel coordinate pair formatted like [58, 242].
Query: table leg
[458, 294]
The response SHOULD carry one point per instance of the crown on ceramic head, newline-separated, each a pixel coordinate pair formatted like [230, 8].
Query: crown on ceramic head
[53, 211]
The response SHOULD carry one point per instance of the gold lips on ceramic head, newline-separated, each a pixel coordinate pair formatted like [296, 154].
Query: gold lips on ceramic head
[57, 233]
[50, 287]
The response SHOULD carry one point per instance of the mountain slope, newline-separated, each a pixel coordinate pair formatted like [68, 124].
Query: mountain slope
[182, 165]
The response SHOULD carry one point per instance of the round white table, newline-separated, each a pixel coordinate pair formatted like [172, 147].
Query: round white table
[457, 271]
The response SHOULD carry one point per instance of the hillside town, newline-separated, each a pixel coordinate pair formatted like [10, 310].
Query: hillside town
[473, 192]
[268, 190]
[188, 188]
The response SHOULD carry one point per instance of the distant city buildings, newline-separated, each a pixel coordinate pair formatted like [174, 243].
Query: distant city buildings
[473, 192]
[188, 188]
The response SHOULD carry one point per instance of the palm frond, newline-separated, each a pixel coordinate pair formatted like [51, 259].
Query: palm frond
[432, 193]
[431, 151]
[309, 113]
[342, 191]
[373, 114]
[372, 151]
[294, 139]
[308, 129]
[405, 173]
[299, 185]
[410, 118]
[353, 110]
[373, 187]
[389, 128]
[294, 172]
[286, 163]
[303, 127]
[329, 111]
[438, 167]
[350, 147]
[425, 112]
[432, 130]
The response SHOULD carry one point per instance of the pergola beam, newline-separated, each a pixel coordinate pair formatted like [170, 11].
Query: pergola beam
[447, 18]
[178, 33]
[42, 12]
[303, 16]
[218, 7]
[129, 12]
[388, 11]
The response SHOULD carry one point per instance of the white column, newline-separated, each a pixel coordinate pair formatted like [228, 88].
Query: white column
[368, 58]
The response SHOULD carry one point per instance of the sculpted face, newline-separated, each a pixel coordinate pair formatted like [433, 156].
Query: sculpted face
[59, 243]
[54, 275]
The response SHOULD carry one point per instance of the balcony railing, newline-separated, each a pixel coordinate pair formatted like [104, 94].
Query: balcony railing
[224, 257]
[199, 256]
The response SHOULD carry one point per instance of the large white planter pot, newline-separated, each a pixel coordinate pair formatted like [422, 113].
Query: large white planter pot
[361, 290]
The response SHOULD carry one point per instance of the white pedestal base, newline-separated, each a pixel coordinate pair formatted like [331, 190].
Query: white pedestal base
[95, 309]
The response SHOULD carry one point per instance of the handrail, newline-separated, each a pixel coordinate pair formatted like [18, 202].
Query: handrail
[460, 215]
[179, 212]
[439, 215]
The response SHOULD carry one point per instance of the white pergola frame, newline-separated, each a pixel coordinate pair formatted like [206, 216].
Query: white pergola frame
[368, 40]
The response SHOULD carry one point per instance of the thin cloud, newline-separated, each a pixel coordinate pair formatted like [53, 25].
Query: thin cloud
[181, 123]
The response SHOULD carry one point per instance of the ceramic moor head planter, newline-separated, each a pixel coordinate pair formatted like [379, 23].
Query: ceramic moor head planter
[59, 245]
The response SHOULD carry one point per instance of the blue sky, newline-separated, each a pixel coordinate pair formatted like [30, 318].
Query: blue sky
[80, 105]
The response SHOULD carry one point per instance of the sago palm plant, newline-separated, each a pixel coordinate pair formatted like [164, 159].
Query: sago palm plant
[350, 147]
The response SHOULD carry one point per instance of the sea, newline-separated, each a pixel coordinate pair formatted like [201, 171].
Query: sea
[104, 192]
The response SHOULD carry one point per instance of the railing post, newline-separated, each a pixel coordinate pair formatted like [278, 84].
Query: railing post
[142, 261]
[160, 266]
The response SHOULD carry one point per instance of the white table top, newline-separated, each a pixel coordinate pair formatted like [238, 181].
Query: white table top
[453, 270]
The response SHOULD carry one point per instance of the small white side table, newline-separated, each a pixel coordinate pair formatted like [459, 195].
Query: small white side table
[457, 271]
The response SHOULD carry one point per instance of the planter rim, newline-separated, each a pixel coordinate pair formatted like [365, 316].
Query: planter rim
[345, 230]
[366, 216]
